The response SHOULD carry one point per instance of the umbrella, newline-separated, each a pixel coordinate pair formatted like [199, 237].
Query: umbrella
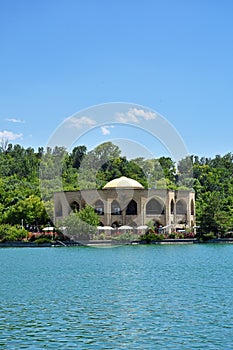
[143, 227]
[105, 228]
[125, 227]
[50, 228]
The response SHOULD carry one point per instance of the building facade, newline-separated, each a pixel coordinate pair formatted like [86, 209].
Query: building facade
[124, 201]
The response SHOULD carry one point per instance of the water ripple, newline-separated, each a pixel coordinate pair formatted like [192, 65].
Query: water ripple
[169, 297]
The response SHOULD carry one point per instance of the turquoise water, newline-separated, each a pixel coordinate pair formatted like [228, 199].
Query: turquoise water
[140, 297]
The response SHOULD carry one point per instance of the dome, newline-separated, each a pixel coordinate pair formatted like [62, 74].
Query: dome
[123, 182]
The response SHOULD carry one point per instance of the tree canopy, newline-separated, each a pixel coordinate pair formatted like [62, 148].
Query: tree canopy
[28, 179]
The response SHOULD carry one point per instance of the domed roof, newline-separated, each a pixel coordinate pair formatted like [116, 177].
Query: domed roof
[123, 182]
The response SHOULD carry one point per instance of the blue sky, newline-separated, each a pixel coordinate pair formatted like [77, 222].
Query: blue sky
[62, 56]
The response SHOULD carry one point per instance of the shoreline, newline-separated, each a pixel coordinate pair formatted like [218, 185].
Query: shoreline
[99, 243]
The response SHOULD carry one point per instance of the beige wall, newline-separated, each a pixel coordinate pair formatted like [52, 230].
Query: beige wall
[183, 214]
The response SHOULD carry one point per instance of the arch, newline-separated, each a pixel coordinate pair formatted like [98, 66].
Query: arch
[74, 206]
[99, 207]
[154, 207]
[192, 207]
[172, 206]
[181, 207]
[115, 208]
[131, 208]
[58, 209]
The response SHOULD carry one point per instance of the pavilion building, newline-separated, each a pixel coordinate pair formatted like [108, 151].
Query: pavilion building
[124, 201]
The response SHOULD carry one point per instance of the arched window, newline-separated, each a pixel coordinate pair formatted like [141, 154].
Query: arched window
[74, 206]
[154, 207]
[181, 208]
[131, 208]
[99, 207]
[115, 208]
[172, 206]
[58, 210]
[192, 207]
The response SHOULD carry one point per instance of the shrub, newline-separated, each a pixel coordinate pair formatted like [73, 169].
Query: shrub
[207, 236]
[12, 233]
[189, 234]
[127, 236]
[101, 236]
[179, 235]
[42, 240]
[149, 237]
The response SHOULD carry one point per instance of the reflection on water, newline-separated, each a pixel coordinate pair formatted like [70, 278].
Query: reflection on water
[141, 297]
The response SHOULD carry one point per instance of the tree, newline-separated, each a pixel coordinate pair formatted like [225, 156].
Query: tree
[81, 225]
[12, 233]
[185, 173]
[106, 151]
[117, 167]
[93, 162]
[168, 167]
[31, 210]
[77, 155]
[4, 145]
[214, 194]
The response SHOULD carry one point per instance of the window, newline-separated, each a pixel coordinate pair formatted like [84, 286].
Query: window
[117, 211]
[115, 208]
[181, 208]
[131, 208]
[154, 207]
[99, 207]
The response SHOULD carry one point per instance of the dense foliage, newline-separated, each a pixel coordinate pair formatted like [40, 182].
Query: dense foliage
[28, 180]
[81, 225]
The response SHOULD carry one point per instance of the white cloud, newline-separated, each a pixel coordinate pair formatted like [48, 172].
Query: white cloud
[105, 129]
[15, 120]
[9, 135]
[126, 118]
[147, 115]
[135, 115]
[79, 122]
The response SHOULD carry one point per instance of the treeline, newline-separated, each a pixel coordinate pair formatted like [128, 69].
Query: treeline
[28, 179]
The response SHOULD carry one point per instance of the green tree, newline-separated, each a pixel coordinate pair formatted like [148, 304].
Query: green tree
[117, 167]
[169, 168]
[81, 225]
[31, 210]
[185, 173]
[214, 193]
[93, 162]
[12, 233]
[77, 155]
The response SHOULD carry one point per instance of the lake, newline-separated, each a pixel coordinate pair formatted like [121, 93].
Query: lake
[129, 297]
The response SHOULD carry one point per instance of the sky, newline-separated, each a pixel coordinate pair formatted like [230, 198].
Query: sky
[61, 57]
